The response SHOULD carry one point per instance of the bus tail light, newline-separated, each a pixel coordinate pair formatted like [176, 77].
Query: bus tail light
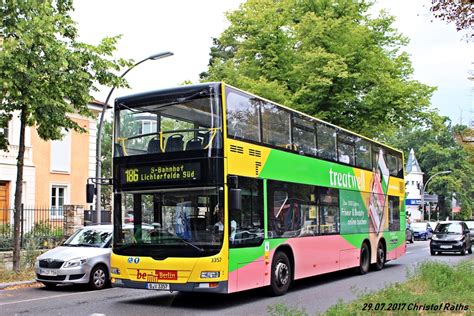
[210, 285]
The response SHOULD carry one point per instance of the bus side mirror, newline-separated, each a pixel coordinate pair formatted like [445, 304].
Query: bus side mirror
[235, 199]
[90, 192]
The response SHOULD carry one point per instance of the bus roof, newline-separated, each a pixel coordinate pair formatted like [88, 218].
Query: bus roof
[149, 95]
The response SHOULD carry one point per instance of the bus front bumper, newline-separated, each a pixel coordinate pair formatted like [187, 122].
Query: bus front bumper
[216, 287]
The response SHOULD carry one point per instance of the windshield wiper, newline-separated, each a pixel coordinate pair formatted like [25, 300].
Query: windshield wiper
[186, 242]
[192, 245]
[87, 245]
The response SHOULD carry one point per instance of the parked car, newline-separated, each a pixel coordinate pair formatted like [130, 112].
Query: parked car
[470, 225]
[84, 258]
[433, 225]
[451, 237]
[422, 230]
[128, 218]
[409, 234]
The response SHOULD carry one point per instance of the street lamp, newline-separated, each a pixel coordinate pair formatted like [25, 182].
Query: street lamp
[99, 132]
[423, 192]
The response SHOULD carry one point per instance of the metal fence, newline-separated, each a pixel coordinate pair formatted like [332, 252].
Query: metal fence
[39, 227]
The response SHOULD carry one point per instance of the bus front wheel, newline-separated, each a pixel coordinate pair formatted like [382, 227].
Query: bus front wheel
[364, 262]
[281, 274]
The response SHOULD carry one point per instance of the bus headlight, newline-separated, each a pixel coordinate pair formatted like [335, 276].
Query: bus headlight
[210, 274]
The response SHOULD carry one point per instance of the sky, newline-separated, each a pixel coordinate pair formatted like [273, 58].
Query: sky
[439, 55]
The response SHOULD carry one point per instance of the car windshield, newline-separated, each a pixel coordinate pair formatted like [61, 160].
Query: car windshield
[174, 222]
[89, 237]
[449, 228]
[418, 227]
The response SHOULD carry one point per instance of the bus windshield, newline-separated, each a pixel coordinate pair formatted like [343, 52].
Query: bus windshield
[179, 223]
[168, 123]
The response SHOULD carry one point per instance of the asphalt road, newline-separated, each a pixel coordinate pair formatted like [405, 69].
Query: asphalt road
[313, 294]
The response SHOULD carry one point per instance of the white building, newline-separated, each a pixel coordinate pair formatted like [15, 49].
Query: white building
[413, 186]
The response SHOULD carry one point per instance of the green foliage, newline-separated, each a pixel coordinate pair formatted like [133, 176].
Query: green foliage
[46, 74]
[45, 228]
[432, 283]
[437, 149]
[30, 254]
[44, 71]
[283, 310]
[6, 243]
[106, 161]
[6, 229]
[327, 58]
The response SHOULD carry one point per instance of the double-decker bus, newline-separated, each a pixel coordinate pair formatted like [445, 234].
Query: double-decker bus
[218, 190]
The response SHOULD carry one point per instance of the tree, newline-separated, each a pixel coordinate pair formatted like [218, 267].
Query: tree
[437, 150]
[459, 12]
[45, 73]
[106, 192]
[327, 58]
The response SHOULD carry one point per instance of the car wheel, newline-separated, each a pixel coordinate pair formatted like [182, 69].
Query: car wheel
[469, 250]
[379, 264]
[364, 262]
[463, 251]
[433, 253]
[49, 285]
[281, 274]
[99, 278]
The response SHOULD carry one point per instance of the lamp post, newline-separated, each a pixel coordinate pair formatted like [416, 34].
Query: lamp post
[99, 133]
[423, 192]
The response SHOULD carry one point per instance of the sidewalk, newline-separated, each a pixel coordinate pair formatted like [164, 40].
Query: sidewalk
[9, 284]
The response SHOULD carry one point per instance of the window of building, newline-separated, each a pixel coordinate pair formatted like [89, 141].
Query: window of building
[61, 154]
[58, 196]
[149, 126]
[246, 226]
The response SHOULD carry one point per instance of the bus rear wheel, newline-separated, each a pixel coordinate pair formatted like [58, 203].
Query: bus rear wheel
[380, 263]
[364, 262]
[281, 274]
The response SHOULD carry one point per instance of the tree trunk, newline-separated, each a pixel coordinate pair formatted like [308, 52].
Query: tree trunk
[18, 193]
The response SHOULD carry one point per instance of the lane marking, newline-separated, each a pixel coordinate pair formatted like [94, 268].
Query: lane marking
[40, 298]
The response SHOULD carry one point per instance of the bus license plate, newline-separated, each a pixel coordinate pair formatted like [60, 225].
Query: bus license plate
[48, 272]
[446, 247]
[158, 286]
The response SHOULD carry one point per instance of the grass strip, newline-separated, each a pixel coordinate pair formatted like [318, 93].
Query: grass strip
[432, 288]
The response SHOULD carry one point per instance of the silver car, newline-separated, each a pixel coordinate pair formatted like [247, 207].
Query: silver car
[84, 258]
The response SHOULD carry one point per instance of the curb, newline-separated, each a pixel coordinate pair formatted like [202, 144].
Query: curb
[5, 285]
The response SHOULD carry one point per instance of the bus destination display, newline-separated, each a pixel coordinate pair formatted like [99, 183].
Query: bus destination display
[161, 173]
